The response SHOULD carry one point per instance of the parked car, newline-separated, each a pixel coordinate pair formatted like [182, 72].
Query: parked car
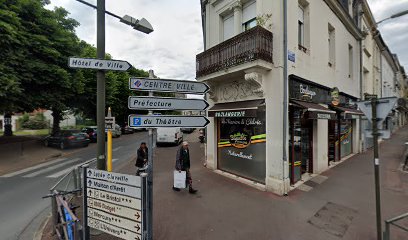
[67, 138]
[169, 135]
[127, 130]
[187, 130]
[116, 131]
[92, 132]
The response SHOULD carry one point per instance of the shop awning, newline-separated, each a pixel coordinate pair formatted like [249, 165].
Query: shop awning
[349, 113]
[315, 111]
[236, 109]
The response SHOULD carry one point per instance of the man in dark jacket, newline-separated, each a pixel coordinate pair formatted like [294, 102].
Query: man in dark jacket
[183, 164]
[141, 159]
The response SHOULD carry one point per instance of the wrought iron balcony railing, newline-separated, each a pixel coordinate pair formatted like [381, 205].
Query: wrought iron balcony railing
[248, 46]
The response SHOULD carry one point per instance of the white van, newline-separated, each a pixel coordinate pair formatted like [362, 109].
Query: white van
[169, 135]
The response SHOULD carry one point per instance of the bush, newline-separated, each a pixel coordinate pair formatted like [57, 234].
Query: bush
[35, 124]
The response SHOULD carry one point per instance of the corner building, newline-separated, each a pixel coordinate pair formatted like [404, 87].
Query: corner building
[243, 63]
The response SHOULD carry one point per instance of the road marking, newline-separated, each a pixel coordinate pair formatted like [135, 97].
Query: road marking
[33, 168]
[114, 160]
[116, 149]
[65, 171]
[34, 174]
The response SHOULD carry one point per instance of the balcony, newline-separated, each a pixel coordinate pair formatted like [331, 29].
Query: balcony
[254, 44]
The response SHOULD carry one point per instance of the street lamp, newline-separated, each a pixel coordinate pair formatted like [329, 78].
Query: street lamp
[394, 16]
[141, 25]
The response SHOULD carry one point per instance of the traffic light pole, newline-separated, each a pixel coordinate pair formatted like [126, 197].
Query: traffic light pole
[100, 86]
[376, 167]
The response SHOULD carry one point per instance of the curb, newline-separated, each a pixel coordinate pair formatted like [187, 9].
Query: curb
[39, 233]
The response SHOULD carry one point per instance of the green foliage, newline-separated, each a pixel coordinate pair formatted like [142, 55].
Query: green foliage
[33, 123]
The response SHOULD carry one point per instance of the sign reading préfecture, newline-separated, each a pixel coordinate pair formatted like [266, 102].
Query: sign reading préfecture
[166, 103]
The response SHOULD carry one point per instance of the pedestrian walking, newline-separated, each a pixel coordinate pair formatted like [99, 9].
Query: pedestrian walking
[183, 164]
[141, 159]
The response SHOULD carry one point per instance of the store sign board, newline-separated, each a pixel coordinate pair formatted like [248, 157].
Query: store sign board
[234, 114]
[321, 115]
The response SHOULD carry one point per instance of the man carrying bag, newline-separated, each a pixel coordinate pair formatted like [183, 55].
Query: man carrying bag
[183, 164]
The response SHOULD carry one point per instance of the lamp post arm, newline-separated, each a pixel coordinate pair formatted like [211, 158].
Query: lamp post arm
[94, 7]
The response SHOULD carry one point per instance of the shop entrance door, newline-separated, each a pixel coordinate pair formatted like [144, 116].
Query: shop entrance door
[301, 145]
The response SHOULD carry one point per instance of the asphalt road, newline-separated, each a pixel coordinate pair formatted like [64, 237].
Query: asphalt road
[22, 191]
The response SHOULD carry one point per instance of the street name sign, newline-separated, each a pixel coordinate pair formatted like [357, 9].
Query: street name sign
[115, 220]
[114, 177]
[116, 210]
[163, 103]
[167, 85]
[113, 230]
[98, 64]
[151, 121]
[114, 188]
[115, 198]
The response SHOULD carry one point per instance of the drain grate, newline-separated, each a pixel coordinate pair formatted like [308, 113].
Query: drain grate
[333, 218]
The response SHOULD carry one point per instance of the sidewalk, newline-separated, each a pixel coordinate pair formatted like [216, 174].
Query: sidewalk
[336, 205]
[20, 152]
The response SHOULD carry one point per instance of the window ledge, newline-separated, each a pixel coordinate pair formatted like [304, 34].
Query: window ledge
[303, 48]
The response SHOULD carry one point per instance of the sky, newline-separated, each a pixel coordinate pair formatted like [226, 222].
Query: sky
[177, 38]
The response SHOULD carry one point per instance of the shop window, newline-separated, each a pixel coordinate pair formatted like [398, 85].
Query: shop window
[332, 45]
[249, 15]
[228, 26]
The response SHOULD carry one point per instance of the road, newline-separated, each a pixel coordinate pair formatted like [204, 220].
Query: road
[22, 191]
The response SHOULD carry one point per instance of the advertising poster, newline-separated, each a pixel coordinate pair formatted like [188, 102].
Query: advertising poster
[242, 147]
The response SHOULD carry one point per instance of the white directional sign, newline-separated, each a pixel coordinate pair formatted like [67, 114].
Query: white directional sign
[115, 198]
[114, 188]
[98, 64]
[115, 220]
[116, 210]
[109, 123]
[113, 230]
[163, 103]
[114, 177]
[167, 85]
[150, 121]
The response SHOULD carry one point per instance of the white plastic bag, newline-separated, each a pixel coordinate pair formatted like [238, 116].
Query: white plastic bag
[179, 179]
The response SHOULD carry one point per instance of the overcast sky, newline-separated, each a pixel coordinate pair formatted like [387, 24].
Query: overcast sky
[171, 49]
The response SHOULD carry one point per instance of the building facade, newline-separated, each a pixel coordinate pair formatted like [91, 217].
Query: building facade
[284, 77]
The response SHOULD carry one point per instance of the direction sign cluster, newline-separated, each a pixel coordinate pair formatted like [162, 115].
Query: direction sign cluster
[162, 103]
[114, 203]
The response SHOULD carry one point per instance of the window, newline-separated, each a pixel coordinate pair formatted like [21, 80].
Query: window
[228, 26]
[350, 53]
[332, 45]
[301, 26]
[249, 15]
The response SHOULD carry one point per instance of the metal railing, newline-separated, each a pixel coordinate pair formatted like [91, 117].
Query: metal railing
[251, 45]
[393, 222]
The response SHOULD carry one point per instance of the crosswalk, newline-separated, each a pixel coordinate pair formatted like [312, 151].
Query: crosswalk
[52, 169]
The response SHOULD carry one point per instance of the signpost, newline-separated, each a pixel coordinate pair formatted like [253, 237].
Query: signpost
[112, 204]
[98, 64]
[143, 121]
[167, 85]
[376, 111]
[109, 123]
[163, 103]
[154, 121]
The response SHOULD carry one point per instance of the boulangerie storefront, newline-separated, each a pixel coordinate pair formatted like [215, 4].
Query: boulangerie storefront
[241, 138]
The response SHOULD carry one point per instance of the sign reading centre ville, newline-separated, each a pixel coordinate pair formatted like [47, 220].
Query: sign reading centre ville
[162, 103]
[167, 85]
[113, 203]
[98, 64]
[151, 121]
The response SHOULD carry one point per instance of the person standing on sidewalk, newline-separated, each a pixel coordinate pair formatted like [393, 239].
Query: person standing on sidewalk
[183, 164]
[141, 159]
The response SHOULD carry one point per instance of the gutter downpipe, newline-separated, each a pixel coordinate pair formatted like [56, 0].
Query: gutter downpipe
[285, 94]
[360, 12]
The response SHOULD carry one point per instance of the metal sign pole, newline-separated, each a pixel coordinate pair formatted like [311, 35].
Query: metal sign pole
[376, 167]
[149, 199]
[85, 204]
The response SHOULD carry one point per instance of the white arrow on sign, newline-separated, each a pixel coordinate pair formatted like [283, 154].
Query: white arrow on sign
[163, 103]
[113, 230]
[98, 64]
[115, 220]
[114, 188]
[144, 121]
[115, 209]
[115, 198]
[114, 177]
[167, 85]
